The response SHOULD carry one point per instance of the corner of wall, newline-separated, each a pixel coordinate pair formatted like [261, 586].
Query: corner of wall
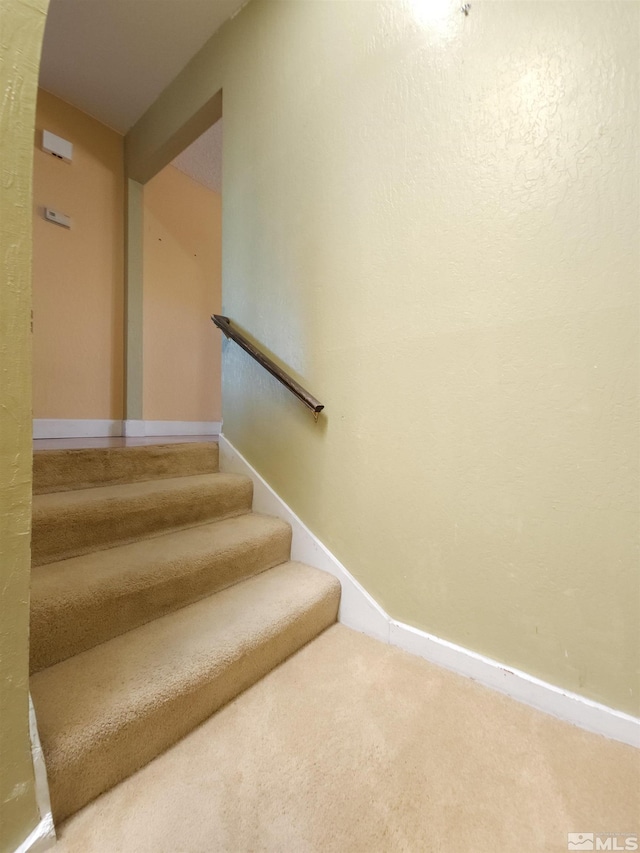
[22, 28]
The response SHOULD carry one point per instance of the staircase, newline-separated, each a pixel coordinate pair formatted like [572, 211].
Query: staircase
[157, 597]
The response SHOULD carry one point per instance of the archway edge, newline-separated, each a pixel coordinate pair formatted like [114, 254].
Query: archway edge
[145, 156]
[22, 25]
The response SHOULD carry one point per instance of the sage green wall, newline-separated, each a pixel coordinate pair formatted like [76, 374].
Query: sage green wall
[432, 218]
[21, 31]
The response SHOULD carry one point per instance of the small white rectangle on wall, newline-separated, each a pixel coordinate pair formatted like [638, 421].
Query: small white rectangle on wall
[56, 145]
[58, 218]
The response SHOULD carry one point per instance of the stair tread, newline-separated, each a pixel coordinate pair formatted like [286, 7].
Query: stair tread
[82, 601]
[69, 523]
[139, 563]
[57, 501]
[156, 599]
[76, 697]
[82, 468]
[107, 711]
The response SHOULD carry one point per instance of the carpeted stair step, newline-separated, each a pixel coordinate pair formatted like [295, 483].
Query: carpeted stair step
[108, 711]
[66, 524]
[59, 470]
[78, 603]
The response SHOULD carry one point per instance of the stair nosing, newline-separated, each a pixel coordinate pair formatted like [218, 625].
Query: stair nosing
[76, 592]
[187, 497]
[127, 702]
[212, 601]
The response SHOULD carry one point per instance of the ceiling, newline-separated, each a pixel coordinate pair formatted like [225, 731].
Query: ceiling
[112, 58]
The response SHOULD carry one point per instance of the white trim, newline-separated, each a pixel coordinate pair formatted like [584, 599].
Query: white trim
[133, 428]
[96, 428]
[43, 836]
[519, 685]
[181, 427]
[61, 428]
[358, 610]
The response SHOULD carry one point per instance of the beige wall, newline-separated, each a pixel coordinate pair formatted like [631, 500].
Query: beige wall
[78, 273]
[181, 272]
[434, 222]
[21, 31]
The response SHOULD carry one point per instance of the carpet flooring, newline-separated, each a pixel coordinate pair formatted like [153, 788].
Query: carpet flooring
[106, 593]
[57, 469]
[65, 524]
[356, 747]
[155, 600]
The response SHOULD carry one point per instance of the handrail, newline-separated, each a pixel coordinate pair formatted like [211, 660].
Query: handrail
[224, 324]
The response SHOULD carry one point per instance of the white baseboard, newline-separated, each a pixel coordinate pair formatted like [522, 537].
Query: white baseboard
[153, 428]
[43, 836]
[358, 610]
[95, 428]
[133, 428]
[567, 706]
[64, 428]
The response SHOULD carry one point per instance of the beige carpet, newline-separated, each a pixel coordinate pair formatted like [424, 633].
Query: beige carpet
[78, 603]
[81, 468]
[105, 713]
[69, 523]
[154, 602]
[352, 746]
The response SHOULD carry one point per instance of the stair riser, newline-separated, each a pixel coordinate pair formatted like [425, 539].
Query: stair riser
[118, 753]
[65, 628]
[68, 532]
[62, 470]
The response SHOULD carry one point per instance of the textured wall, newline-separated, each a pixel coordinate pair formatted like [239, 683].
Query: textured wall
[78, 274]
[202, 160]
[21, 30]
[433, 220]
[181, 258]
